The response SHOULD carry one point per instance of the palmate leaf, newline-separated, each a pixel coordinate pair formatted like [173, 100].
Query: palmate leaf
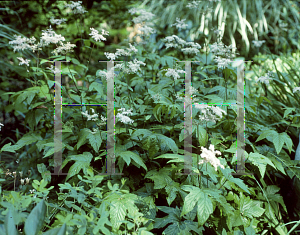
[82, 163]
[201, 199]
[95, 140]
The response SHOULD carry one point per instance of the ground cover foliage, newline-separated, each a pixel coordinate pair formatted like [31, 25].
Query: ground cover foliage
[149, 198]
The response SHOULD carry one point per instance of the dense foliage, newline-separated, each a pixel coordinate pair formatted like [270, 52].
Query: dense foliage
[152, 39]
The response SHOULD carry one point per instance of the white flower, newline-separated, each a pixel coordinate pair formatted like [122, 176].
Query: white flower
[54, 70]
[64, 48]
[23, 61]
[76, 7]
[144, 17]
[190, 50]
[90, 117]
[209, 112]
[264, 79]
[127, 51]
[173, 73]
[124, 119]
[21, 43]
[57, 21]
[221, 50]
[22, 181]
[258, 43]
[27, 180]
[110, 56]
[147, 30]
[107, 75]
[296, 89]
[96, 36]
[210, 156]
[134, 66]
[193, 4]
[49, 36]
[180, 23]
[222, 62]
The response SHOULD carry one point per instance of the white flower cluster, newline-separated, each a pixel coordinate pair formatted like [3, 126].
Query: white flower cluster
[221, 50]
[175, 41]
[173, 73]
[64, 48]
[191, 93]
[76, 7]
[1, 125]
[122, 116]
[49, 36]
[209, 113]
[144, 17]
[193, 4]
[23, 61]
[265, 79]
[296, 89]
[222, 62]
[96, 36]
[258, 43]
[126, 51]
[209, 156]
[24, 43]
[108, 75]
[120, 52]
[180, 23]
[134, 66]
[57, 21]
[145, 20]
[54, 70]
[156, 97]
[91, 117]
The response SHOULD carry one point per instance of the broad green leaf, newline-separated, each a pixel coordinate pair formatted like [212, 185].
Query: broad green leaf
[10, 224]
[35, 220]
[57, 231]
[265, 134]
[278, 141]
[134, 157]
[204, 208]
[191, 199]
[95, 140]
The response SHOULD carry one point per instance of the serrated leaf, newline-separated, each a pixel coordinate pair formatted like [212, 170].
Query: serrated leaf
[95, 140]
[204, 208]
[260, 161]
[134, 157]
[82, 163]
[83, 134]
[266, 133]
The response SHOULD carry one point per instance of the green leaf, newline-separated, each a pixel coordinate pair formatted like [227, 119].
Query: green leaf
[97, 87]
[82, 162]
[204, 208]
[129, 154]
[10, 224]
[83, 134]
[35, 220]
[265, 134]
[57, 231]
[191, 199]
[202, 135]
[95, 140]
[278, 141]
[260, 161]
